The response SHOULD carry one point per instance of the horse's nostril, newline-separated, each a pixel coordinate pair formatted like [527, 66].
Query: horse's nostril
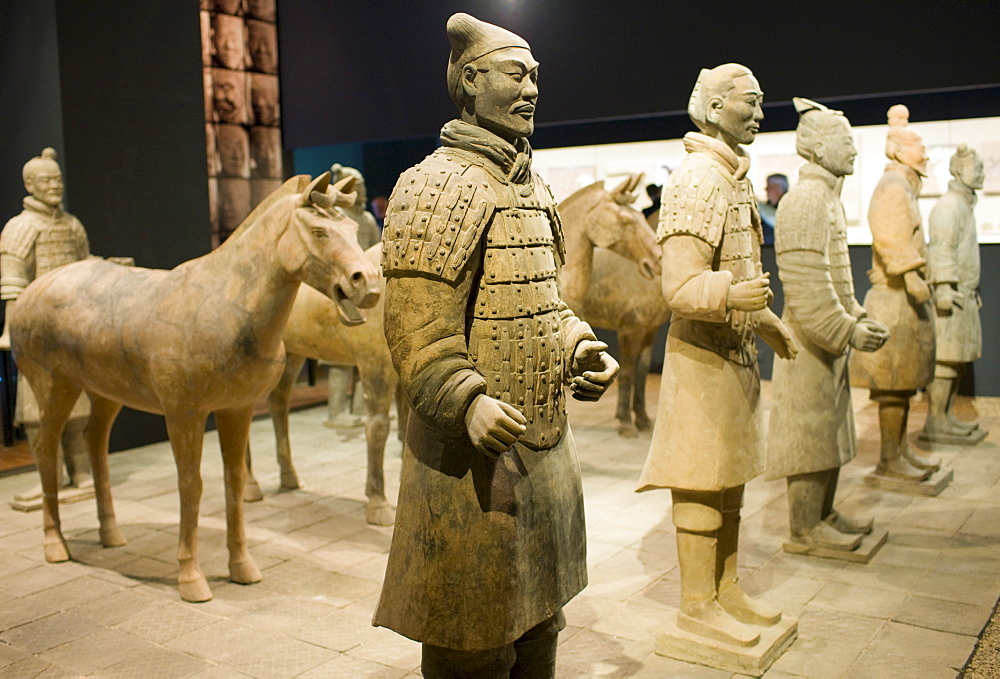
[357, 278]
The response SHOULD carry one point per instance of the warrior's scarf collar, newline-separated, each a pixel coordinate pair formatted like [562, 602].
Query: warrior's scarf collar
[737, 162]
[35, 205]
[514, 160]
[909, 174]
[813, 170]
[963, 190]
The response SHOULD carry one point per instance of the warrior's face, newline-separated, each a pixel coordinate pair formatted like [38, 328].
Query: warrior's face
[46, 185]
[739, 113]
[501, 89]
[971, 172]
[912, 153]
[836, 151]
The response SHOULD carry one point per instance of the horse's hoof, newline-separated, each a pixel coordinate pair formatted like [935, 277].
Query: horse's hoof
[290, 481]
[627, 431]
[56, 552]
[251, 492]
[112, 537]
[244, 571]
[195, 590]
[380, 514]
[643, 423]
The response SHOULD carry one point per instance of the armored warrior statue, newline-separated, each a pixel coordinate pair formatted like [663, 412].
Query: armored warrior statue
[900, 297]
[954, 270]
[812, 422]
[707, 442]
[341, 378]
[489, 542]
[41, 238]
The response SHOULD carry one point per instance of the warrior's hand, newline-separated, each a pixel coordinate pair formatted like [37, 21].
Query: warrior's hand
[493, 426]
[593, 370]
[5, 340]
[751, 295]
[869, 335]
[916, 286]
[773, 331]
[946, 298]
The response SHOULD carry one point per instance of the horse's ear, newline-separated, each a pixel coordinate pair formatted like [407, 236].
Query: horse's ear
[634, 184]
[315, 193]
[623, 188]
[342, 192]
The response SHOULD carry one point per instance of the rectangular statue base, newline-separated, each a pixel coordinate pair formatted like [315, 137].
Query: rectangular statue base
[938, 481]
[863, 554]
[673, 642]
[66, 496]
[925, 440]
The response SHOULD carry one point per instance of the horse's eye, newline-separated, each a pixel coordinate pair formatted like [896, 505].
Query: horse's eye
[319, 232]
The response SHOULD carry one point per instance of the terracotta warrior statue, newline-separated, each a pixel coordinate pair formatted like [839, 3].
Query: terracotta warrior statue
[489, 543]
[707, 443]
[954, 269]
[41, 238]
[811, 435]
[343, 380]
[901, 298]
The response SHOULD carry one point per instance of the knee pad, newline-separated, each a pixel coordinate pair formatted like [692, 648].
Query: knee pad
[698, 517]
[947, 371]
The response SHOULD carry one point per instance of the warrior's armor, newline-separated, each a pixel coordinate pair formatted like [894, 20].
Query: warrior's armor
[37, 241]
[513, 315]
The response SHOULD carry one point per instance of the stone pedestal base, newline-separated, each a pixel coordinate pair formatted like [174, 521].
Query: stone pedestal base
[929, 440]
[673, 642]
[863, 554]
[66, 496]
[938, 481]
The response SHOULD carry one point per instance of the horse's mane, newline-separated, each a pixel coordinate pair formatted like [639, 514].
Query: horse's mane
[296, 184]
[585, 195]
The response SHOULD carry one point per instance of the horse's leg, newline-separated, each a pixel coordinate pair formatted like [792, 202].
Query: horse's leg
[234, 430]
[56, 398]
[642, 421]
[378, 384]
[402, 410]
[252, 492]
[102, 415]
[187, 433]
[278, 403]
[629, 342]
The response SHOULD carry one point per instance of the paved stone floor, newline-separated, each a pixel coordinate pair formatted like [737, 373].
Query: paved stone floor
[915, 611]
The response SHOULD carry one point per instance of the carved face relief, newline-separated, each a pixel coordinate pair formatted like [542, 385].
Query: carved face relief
[504, 89]
[46, 185]
[913, 154]
[228, 41]
[836, 151]
[971, 172]
[738, 116]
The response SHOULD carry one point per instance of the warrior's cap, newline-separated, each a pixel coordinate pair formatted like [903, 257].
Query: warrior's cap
[471, 39]
[46, 160]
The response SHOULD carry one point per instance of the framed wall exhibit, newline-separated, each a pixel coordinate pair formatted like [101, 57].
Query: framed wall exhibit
[775, 152]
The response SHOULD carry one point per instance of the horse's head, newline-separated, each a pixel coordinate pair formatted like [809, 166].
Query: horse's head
[320, 248]
[614, 224]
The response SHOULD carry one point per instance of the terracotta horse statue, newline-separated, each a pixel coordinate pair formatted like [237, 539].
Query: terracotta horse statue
[316, 330]
[205, 337]
[605, 239]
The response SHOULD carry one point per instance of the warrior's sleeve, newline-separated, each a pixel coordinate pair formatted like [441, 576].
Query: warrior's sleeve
[17, 251]
[801, 244]
[430, 255]
[890, 220]
[943, 247]
[692, 217]
[81, 241]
